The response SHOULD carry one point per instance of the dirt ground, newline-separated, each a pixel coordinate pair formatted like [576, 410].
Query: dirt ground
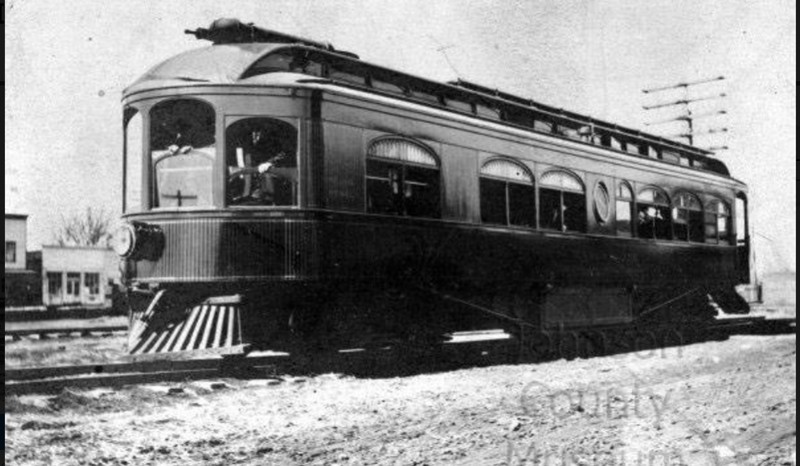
[65, 351]
[68, 323]
[713, 403]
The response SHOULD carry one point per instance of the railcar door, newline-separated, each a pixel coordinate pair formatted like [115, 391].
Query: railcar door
[742, 239]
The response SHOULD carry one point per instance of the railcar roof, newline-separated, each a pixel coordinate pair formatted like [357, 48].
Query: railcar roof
[237, 47]
[218, 64]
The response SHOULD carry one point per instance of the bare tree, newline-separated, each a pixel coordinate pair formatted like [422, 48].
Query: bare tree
[90, 228]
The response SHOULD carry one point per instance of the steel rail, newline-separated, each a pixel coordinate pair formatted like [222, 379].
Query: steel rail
[18, 333]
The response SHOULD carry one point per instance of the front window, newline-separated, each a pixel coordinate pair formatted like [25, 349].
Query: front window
[562, 202]
[402, 179]
[653, 214]
[182, 152]
[132, 196]
[508, 196]
[261, 155]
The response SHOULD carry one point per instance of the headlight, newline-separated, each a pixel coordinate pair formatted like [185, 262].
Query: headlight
[137, 241]
[124, 240]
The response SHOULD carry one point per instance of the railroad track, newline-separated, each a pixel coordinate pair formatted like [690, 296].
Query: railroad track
[44, 333]
[468, 349]
[353, 361]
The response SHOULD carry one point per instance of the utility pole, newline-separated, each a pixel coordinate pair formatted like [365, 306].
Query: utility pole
[688, 114]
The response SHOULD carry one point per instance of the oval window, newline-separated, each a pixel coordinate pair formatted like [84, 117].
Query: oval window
[602, 202]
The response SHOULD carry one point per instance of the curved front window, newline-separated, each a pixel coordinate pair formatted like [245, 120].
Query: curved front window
[261, 156]
[134, 132]
[182, 151]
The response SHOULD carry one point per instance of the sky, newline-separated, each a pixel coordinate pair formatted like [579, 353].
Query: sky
[68, 62]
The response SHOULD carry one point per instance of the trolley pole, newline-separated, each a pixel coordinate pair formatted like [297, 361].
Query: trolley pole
[688, 114]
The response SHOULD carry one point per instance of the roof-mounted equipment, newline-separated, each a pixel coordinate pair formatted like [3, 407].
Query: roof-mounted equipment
[233, 31]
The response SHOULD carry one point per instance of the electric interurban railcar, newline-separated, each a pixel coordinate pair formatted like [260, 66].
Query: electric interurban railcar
[280, 193]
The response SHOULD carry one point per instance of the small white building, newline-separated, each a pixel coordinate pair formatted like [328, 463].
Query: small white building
[16, 239]
[78, 275]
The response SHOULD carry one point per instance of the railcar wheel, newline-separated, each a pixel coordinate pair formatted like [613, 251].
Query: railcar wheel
[534, 345]
[568, 345]
[594, 344]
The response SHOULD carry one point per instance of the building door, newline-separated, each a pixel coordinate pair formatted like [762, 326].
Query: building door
[55, 288]
[73, 294]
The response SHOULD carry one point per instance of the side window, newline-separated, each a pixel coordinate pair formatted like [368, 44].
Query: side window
[562, 202]
[132, 171]
[508, 196]
[717, 222]
[653, 216]
[261, 156]
[294, 61]
[182, 147]
[402, 179]
[669, 156]
[687, 218]
[602, 203]
[624, 209]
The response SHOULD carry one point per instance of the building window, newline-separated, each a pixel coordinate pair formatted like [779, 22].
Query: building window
[11, 252]
[718, 222]
[182, 147]
[508, 196]
[562, 202]
[402, 179]
[73, 286]
[687, 218]
[624, 209]
[261, 155]
[602, 203]
[54, 285]
[91, 281]
[653, 214]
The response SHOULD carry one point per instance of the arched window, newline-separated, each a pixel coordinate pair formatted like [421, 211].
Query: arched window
[718, 222]
[652, 207]
[624, 209]
[261, 155]
[402, 179]
[687, 218]
[182, 149]
[508, 196]
[562, 202]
